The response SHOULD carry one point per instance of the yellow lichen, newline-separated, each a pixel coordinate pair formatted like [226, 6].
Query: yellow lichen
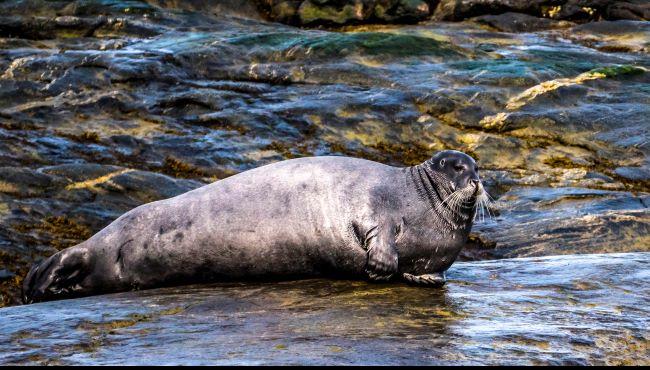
[346, 113]
[496, 121]
[297, 74]
[315, 119]
[312, 13]
[589, 10]
[64, 231]
[469, 139]
[177, 168]
[546, 86]
[96, 181]
[6, 187]
[369, 62]
[553, 11]
[171, 311]
[595, 74]
[4, 209]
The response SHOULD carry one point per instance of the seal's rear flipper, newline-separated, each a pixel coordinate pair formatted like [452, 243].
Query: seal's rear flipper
[432, 280]
[57, 277]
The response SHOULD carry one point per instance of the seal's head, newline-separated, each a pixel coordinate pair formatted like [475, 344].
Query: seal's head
[459, 169]
[458, 186]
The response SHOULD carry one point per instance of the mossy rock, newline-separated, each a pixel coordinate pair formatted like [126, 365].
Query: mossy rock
[618, 70]
[350, 43]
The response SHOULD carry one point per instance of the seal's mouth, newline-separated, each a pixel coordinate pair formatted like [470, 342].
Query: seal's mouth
[472, 190]
[471, 198]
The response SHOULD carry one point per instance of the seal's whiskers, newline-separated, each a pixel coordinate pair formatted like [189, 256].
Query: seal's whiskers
[482, 206]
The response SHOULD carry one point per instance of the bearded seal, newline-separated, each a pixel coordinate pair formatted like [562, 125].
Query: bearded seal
[313, 216]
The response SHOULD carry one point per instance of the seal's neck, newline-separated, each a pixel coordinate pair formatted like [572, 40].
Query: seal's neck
[431, 185]
[434, 188]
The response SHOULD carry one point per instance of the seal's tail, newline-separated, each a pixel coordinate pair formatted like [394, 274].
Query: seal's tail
[57, 277]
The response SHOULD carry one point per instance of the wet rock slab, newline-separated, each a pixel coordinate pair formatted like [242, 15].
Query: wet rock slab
[536, 221]
[587, 309]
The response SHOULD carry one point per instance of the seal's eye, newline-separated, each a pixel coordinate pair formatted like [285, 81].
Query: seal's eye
[459, 168]
[442, 163]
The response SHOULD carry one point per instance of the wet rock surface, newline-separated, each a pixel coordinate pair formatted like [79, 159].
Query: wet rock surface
[105, 105]
[564, 310]
[555, 221]
[519, 22]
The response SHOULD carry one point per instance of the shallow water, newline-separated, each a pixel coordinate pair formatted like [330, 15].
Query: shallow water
[589, 309]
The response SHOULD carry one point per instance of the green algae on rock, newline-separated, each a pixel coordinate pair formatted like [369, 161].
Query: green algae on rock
[384, 44]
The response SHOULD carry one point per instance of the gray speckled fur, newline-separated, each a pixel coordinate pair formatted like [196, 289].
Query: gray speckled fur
[301, 217]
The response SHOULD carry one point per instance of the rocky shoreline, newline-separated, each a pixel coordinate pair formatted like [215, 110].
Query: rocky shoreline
[105, 105]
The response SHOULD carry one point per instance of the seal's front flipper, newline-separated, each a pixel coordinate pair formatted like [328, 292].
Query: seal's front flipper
[382, 253]
[437, 279]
